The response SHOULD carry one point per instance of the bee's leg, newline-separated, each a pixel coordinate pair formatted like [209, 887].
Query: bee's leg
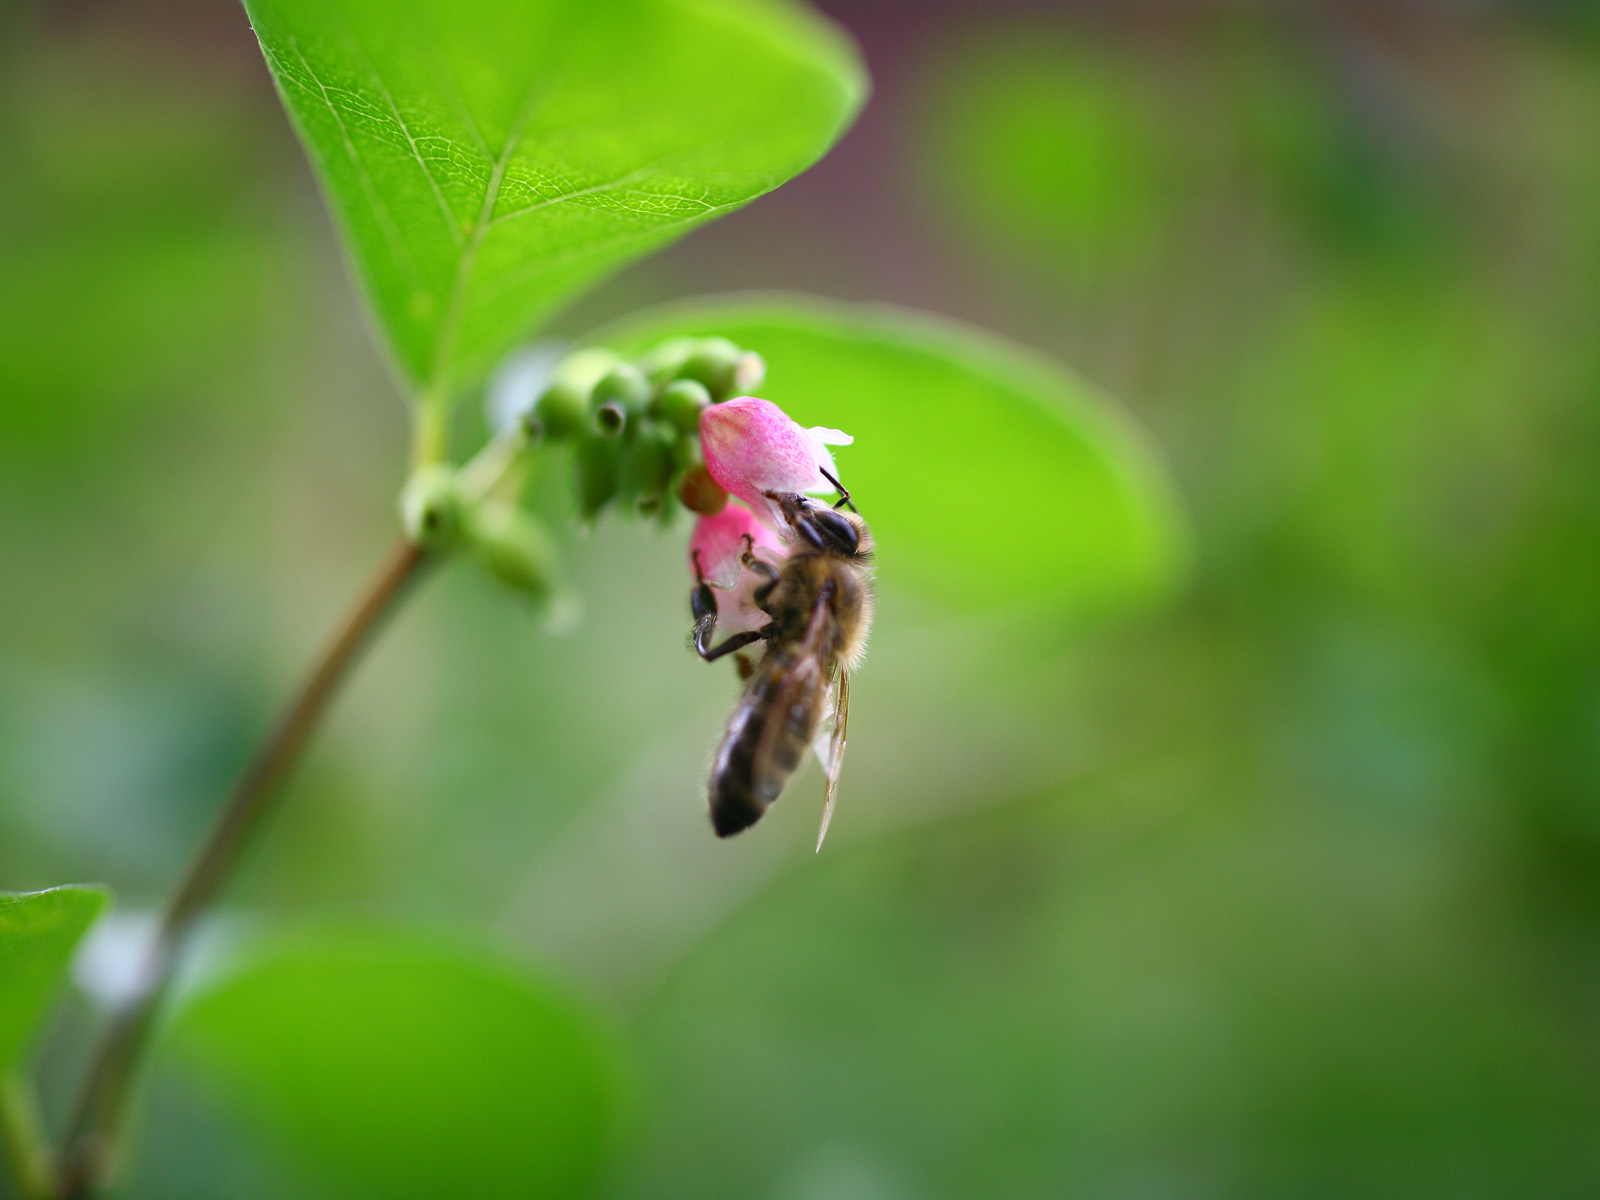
[769, 578]
[737, 641]
[703, 607]
[844, 494]
[760, 567]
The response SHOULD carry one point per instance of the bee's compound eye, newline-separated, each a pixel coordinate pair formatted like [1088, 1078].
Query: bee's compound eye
[836, 530]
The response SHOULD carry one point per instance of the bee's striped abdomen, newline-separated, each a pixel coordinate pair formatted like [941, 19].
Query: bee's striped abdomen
[744, 780]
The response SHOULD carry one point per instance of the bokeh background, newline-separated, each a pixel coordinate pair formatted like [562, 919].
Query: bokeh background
[1290, 887]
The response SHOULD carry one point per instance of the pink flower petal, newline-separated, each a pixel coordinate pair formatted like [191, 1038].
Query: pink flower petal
[737, 610]
[753, 447]
[718, 544]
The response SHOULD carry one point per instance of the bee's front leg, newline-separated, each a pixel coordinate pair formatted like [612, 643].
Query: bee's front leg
[760, 567]
[703, 607]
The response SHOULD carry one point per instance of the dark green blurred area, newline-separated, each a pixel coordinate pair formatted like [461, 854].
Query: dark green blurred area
[1292, 890]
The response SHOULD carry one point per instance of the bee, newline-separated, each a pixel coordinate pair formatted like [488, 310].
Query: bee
[819, 601]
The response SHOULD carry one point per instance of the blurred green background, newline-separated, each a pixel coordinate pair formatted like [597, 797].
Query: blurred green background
[1291, 888]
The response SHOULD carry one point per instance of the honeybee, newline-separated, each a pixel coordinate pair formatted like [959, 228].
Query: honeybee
[820, 602]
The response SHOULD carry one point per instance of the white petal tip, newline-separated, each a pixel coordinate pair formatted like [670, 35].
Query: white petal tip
[831, 437]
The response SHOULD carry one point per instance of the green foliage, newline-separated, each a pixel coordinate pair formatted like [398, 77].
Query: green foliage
[989, 474]
[1051, 995]
[38, 932]
[401, 1067]
[1052, 151]
[488, 159]
[129, 266]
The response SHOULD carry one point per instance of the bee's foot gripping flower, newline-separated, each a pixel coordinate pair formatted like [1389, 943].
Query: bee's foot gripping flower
[716, 556]
[753, 447]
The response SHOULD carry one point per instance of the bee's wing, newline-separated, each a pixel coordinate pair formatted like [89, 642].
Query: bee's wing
[791, 718]
[832, 757]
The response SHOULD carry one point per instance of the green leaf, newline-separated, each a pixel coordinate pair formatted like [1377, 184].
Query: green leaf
[38, 932]
[1054, 154]
[988, 473]
[402, 1066]
[488, 158]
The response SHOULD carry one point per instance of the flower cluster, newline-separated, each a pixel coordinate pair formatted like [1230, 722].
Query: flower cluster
[635, 425]
[672, 425]
[752, 448]
[671, 428]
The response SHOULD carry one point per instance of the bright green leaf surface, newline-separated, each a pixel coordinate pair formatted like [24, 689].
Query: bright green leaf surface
[486, 158]
[988, 473]
[38, 932]
[397, 1066]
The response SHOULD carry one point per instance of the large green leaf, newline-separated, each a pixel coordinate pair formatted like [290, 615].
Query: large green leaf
[988, 473]
[486, 158]
[38, 932]
[400, 1066]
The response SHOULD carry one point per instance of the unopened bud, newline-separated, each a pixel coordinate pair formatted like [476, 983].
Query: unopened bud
[430, 506]
[561, 411]
[754, 449]
[715, 363]
[664, 361]
[647, 468]
[618, 395]
[702, 494]
[610, 419]
[514, 546]
[594, 465]
[686, 453]
[582, 369]
[624, 384]
[749, 373]
[682, 402]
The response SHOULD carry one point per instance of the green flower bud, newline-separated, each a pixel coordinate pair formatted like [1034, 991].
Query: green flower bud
[749, 373]
[430, 506]
[686, 452]
[619, 394]
[610, 419]
[561, 412]
[624, 384]
[702, 494]
[681, 403]
[514, 546]
[594, 465]
[646, 468]
[582, 369]
[664, 361]
[715, 363]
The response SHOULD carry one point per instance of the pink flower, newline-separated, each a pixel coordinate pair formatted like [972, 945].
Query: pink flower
[753, 447]
[715, 550]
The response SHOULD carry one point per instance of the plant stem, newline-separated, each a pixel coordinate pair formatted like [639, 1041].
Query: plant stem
[430, 431]
[102, 1100]
[24, 1136]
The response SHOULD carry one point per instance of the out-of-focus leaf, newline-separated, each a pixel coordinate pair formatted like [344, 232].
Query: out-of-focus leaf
[1055, 151]
[133, 267]
[1045, 997]
[38, 932]
[487, 158]
[401, 1066]
[988, 473]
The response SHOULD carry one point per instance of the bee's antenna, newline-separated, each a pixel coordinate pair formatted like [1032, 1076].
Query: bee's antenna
[844, 495]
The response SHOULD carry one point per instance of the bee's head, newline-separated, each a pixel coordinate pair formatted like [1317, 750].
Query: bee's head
[823, 528]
